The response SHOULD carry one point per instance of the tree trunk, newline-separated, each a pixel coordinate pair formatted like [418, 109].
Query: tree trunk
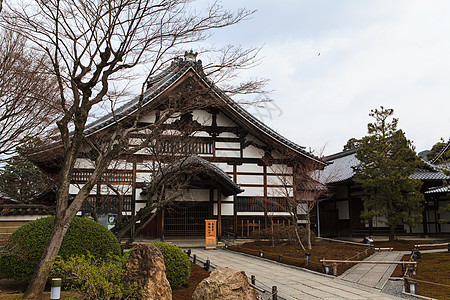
[297, 235]
[273, 238]
[39, 279]
[308, 228]
[391, 233]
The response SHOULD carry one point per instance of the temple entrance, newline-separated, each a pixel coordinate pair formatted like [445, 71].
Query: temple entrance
[186, 219]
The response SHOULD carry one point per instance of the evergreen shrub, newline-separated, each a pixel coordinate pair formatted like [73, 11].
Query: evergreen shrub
[178, 265]
[83, 236]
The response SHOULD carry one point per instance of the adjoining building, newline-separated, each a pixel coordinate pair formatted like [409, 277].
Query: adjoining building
[340, 214]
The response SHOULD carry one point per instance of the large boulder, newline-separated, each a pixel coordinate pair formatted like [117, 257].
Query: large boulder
[145, 266]
[225, 283]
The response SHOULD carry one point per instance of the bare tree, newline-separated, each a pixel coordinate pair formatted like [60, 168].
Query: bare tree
[302, 189]
[93, 47]
[28, 95]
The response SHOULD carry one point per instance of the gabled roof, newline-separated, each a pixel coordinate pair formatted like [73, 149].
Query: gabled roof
[195, 164]
[179, 67]
[343, 165]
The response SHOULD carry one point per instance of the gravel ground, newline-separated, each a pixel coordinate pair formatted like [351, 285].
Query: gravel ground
[395, 288]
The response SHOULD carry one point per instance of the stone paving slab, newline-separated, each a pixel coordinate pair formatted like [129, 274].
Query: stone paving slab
[373, 275]
[292, 283]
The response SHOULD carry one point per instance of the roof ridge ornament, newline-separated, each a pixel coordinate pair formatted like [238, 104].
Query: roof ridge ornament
[190, 55]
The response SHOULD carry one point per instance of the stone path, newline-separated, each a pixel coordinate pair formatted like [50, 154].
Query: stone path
[292, 283]
[373, 275]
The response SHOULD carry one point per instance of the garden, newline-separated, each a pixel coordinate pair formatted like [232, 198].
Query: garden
[92, 266]
[90, 263]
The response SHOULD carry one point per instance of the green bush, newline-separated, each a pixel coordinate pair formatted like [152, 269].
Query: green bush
[83, 236]
[178, 265]
[94, 278]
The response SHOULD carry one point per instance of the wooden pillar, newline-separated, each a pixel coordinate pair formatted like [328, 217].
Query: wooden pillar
[162, 224]
[424, 219]
[266, 222]
[235, 221]
[211, 203]
[133, 196]
[350, 208]
[219, 215]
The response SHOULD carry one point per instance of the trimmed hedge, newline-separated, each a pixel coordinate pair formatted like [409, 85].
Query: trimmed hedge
[178, 265]
[83, 236]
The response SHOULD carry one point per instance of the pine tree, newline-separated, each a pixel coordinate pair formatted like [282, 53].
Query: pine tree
[387, 159]
[21, 179]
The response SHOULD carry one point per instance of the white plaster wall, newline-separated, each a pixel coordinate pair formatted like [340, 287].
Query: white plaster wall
[250, 179]
[201, 116]
[224, 153]
[279, 168]
[251, 168]
[123, 189]
[120, 165]
[256, 213]
[279, 180]
[252, 191]
[227, 209]
[227, 135]
[342, 207]
[139, 206]
[280, 192]
[229, 198]
[149, 118]
[224, 166]
[302, 209]
[253, 152]
[146, 166]
[228, 145]
[139, 196]
[223, 120]
[84, 163]
[201, 134]
[194, 195]
[143, 177]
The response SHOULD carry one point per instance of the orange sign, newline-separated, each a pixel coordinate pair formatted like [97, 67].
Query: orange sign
[210, 234]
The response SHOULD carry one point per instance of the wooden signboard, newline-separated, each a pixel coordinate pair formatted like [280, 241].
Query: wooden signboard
[210, 234]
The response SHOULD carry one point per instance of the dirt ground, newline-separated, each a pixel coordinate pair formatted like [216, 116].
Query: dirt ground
[432, 267]
[293, 255]
[197, 275]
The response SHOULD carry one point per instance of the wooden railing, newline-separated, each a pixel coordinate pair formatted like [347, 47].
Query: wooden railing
[118, 176]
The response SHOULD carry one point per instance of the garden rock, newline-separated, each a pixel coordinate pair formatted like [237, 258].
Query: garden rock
[145, 266]
[225, 283]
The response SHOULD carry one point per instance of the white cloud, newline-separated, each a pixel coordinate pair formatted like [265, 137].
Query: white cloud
[396, 57]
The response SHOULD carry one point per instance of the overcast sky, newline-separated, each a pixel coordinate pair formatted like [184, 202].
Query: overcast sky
[372, 53]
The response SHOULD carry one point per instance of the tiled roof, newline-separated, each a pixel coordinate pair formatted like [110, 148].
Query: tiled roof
[343, 166]
[25, 210]
[429, 175]
[438, 190]
[195, 163]
[158, 84]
